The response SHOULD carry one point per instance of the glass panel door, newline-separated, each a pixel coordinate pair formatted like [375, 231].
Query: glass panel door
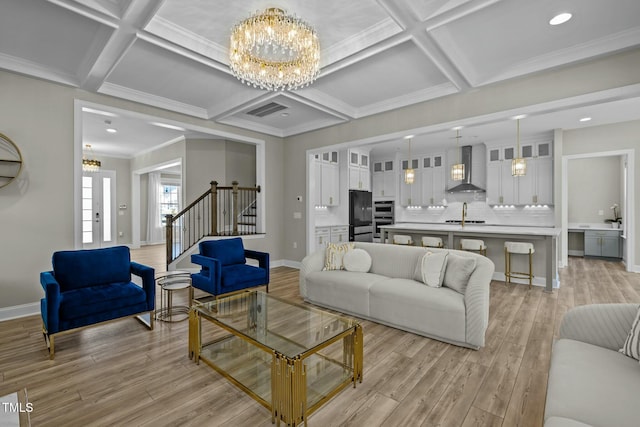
[98, 209]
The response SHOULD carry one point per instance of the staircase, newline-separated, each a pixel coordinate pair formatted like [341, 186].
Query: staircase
[220, 211]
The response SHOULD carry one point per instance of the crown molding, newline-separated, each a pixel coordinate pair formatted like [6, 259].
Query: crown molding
[29, 68]
[408, 99]
[157, 101]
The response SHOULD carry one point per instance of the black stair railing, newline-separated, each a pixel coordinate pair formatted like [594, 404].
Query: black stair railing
[220, 211]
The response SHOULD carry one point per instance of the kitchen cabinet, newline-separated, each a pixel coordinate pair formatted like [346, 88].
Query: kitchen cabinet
[333, 234]
[411, 194]
[323, 235]
[359, 172]
[327, 179]
[339, 234]
[384, 179]
[535, 187]
[433, 176]
[602, 243]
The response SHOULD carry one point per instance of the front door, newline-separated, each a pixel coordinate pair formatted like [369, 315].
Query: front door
[98, 209]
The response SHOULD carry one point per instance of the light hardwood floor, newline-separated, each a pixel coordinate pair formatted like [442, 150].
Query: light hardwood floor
[123, 374]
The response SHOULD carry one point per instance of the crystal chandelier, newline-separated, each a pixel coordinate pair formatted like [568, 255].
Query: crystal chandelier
[90, 165]
[274, 51]
[457, 170]
[518, 164]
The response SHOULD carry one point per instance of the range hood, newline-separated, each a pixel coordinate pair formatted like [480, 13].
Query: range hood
[466, 186]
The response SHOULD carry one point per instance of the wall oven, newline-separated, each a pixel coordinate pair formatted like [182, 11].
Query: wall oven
[383, 214]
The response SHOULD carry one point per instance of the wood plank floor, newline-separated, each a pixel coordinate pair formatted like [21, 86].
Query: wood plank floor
[123, 374]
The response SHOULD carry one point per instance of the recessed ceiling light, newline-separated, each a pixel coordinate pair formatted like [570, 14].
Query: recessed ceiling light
[560, 18]
[284, 114]
[112, 130]
[409, 136]
[168, 126]
[457, 128]
[585, 119]
[519, 116]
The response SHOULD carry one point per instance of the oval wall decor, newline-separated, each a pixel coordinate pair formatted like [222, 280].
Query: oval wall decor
[10, 161]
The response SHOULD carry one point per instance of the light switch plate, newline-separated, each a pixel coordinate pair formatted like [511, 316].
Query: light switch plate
[297, 215]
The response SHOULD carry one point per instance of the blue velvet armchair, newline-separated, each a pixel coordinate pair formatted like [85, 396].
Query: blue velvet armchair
[88, 287]
[224, 269]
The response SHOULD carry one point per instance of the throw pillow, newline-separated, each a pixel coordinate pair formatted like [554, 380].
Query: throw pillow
[357, 260]
[459, 269]
[335, 254]
[631, 347]
[433, 268]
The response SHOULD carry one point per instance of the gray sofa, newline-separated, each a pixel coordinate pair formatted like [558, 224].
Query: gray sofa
[590, 382]
[388, 294]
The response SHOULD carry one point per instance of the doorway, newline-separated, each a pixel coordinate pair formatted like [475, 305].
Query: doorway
[98, 209]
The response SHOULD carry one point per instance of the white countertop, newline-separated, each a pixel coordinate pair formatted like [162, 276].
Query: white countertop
[474, 228]
[598, 226]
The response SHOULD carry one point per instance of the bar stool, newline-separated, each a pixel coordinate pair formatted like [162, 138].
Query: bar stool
[520, 248]
[402, 239]
[432, 242]
[473, 245]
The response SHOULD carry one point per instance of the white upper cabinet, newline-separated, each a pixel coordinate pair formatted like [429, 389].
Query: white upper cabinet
[384, 179]
[535, 187]
[359, 172]
[433, 179]
[327, 179]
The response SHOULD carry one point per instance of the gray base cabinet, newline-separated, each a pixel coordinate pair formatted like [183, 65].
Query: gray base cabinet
[602, 243]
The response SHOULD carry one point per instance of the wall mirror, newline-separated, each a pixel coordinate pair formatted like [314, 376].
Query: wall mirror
[10, 161]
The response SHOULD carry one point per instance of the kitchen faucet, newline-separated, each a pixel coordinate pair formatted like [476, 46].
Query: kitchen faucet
[464, 212]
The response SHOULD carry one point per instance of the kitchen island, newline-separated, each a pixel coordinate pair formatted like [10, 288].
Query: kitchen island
[544, 239]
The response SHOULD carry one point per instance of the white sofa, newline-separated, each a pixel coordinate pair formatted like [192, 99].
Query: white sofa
[388, 294]
[590, 382]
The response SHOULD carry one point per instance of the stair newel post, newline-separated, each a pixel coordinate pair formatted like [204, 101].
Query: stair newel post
[169, 237]
[235, 207]
[214, 208]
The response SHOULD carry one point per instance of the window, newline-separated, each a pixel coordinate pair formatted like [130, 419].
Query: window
[169, 201]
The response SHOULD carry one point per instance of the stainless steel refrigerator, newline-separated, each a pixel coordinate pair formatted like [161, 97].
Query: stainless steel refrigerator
[360, 216]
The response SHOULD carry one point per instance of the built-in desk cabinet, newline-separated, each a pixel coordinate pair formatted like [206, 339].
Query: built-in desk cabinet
[602, 243]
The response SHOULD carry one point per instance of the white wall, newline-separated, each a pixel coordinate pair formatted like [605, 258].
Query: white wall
[37, 210]
[594, 185]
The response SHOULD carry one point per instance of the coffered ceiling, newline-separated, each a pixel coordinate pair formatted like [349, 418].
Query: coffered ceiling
[377, 55]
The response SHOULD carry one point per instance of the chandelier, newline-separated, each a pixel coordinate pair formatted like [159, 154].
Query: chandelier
[274, 51]
[90, 165]
[457, 170]
[409, 173]
[518, 164]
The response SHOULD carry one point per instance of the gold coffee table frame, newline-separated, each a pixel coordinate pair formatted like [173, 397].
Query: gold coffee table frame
[275, 351]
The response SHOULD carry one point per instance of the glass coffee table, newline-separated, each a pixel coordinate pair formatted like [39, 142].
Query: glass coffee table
[291, 358]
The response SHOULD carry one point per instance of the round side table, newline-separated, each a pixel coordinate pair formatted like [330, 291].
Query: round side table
[170, 282]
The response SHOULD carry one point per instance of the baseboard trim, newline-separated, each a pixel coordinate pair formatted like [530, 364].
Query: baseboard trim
[285, 263]
[18, 311]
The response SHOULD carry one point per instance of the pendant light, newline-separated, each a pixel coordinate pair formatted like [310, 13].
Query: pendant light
[518, 164]
[409, 173]
[457, 170]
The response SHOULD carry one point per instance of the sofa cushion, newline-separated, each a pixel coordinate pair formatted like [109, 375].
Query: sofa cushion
[406, 303]
[342, 290]
[357, 260]
[83, 302]
[584, 379]
[459, 269]
[334, 257]
[393, 260]
[235, 274]
[86, 268]
[631, 347]
[430, 269]
[227, 251]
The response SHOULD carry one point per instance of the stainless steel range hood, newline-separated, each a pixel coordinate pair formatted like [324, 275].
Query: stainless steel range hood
[467, 186]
